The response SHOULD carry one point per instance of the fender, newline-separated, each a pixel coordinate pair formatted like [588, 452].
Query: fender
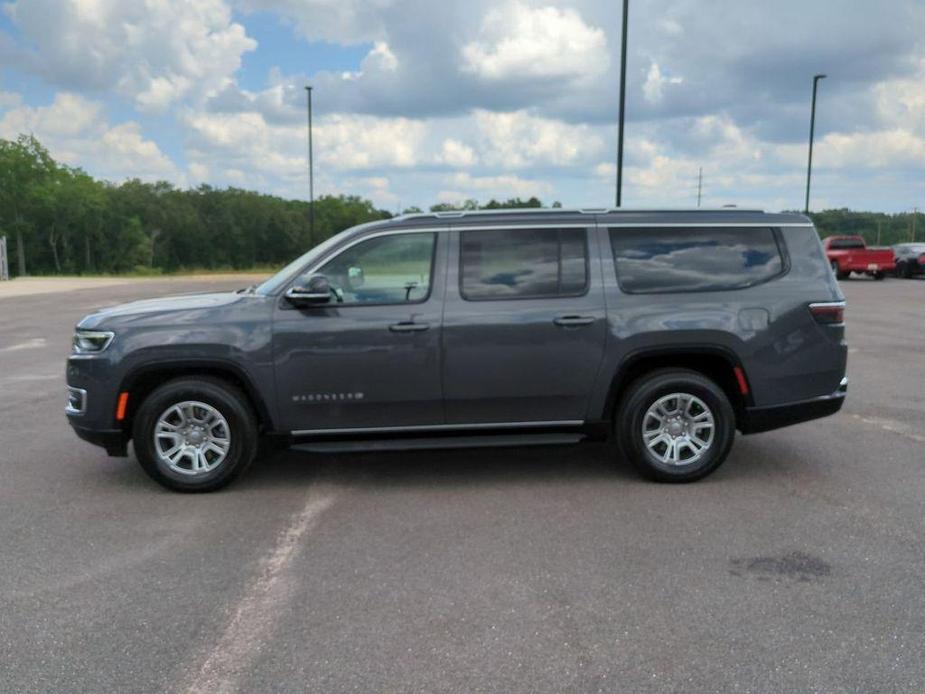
[202, 366]
[677, 354]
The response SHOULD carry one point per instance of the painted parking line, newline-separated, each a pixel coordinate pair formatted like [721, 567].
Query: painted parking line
[254, 617]
[28, 344]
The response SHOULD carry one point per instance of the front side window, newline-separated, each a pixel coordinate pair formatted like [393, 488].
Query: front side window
[392, 269]
[523, 263]
[658, 260]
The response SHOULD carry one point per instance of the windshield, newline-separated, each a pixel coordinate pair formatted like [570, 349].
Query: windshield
[274, 283]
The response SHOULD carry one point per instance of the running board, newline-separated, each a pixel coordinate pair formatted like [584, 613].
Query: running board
[442, 442]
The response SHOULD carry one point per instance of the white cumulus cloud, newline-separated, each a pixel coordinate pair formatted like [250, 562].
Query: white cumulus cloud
[154, 52]
[76, 132]
[518, 41]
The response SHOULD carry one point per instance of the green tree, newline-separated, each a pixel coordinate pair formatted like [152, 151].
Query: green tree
[25, 166]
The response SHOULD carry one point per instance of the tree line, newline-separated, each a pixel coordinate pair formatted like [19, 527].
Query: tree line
[60, 220]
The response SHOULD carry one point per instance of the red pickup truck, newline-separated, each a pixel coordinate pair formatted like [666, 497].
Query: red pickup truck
[849, 254]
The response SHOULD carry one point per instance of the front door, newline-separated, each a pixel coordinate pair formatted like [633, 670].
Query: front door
[370, 358]
[524, 325]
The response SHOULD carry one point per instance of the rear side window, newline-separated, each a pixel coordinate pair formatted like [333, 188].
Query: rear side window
[523, 263]
[845, 244]
[658, 260]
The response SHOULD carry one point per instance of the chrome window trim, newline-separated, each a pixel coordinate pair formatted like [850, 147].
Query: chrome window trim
[456, 214]
[501, 226]
[442, 427]
[685, 225]
[627, 225]
[449, 226]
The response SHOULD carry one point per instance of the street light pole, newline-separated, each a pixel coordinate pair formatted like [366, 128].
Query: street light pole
[626, 10]
[812, 131]
[311, 172]
[699, 186]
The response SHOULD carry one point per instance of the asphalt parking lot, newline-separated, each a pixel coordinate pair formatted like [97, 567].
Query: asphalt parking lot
[798, 566]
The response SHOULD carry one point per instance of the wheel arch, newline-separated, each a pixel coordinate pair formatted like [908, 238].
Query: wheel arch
[715, 362]
[142, 380]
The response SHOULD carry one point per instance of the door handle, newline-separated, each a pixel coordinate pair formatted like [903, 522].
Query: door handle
[408, 327]
[573, 321]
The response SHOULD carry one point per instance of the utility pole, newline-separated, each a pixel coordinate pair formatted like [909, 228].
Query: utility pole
[915, 213]
[812, 132]
[311, 172]
[626, 11]
[699, 186]
[879, 227]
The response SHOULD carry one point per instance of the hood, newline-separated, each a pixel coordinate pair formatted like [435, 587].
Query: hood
[192, 304]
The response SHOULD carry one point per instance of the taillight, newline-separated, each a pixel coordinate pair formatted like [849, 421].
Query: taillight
[829, 312]
[922, 260]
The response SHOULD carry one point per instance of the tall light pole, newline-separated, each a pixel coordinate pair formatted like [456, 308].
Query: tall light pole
[812, 132]
[626, 12]
[311, 172]
[699, 186]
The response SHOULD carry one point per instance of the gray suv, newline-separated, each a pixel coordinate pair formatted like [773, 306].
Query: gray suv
[665, 331]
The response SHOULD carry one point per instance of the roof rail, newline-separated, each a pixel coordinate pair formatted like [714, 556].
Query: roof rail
[453, 214]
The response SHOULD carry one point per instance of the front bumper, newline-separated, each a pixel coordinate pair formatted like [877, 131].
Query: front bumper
[114, 441]
[757, 419]
[90, 406]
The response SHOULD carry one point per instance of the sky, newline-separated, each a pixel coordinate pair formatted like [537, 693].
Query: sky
[425, 101]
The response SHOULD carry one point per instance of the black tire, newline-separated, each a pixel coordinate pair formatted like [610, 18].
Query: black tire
[904, 270]
[643, 393]
[229, 401]
[838, 273]
[879, 275]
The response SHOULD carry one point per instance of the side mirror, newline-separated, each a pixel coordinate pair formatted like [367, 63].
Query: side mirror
[316, 291]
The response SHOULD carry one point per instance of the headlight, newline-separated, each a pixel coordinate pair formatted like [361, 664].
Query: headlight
[90, 341]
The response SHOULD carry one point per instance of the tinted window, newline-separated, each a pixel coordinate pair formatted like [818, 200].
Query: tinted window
[523, 263]
[845, 244]
[694, 259]
[393, 269]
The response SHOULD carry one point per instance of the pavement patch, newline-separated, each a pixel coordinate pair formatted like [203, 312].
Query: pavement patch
[796, 566]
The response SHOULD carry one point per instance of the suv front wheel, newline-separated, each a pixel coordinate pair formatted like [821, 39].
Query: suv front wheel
[195, 435]
[675, 425]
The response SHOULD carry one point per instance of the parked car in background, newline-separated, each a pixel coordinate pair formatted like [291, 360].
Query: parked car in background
[849, 254]
[666, 331]
[910, 259]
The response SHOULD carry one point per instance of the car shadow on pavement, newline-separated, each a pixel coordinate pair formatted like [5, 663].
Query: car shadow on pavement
[752, 458]
[450, 468]
[586, 462]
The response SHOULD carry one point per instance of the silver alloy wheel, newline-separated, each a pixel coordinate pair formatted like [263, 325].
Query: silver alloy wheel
[678, 429]
[192, 438]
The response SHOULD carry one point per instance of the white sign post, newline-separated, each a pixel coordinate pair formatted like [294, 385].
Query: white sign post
[4, 262]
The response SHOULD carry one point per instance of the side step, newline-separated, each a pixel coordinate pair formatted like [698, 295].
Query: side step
[441, 442]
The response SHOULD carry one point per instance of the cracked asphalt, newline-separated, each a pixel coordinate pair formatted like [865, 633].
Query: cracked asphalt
[798, 566]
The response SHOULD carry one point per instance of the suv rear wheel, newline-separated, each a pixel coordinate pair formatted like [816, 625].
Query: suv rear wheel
[675, 425]
[195, 435]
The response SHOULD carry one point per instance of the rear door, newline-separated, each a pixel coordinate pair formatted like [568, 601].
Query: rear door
[524, 324]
